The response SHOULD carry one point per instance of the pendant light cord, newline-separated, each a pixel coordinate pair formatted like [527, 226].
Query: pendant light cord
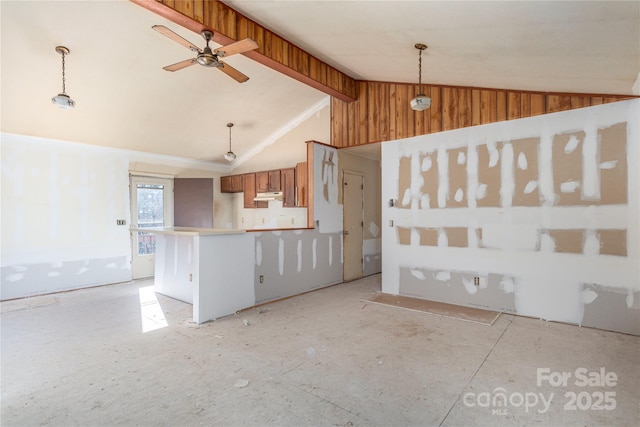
[63, 75]
[419, 71]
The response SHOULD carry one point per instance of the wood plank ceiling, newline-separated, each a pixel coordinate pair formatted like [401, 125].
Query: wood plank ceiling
[364, 112]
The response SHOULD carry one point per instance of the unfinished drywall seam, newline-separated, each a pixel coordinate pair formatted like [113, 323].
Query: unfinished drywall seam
[566, 217]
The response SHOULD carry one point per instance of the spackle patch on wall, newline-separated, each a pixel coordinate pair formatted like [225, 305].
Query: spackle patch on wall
[538, 206]
[531, 238]
[586, 169]
[328, 177]
[456, 287]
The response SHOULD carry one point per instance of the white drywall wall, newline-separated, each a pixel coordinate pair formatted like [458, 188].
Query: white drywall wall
[509, 240]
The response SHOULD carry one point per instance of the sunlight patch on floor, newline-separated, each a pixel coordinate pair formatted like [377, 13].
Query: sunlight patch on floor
[150, 310]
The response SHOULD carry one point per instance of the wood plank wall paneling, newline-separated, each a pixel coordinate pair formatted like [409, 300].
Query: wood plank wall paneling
[382, 111]
[275, 52]
[368, 112]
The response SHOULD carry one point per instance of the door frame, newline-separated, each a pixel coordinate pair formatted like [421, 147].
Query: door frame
[345, 213]
[142, 266]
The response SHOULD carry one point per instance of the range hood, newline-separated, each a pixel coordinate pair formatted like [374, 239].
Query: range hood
[261, 197]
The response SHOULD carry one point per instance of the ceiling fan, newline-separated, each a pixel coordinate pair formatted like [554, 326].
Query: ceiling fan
[207, 57]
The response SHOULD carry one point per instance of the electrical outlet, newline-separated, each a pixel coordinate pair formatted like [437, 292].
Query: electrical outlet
[121, 222]
[190, 277]
[261, 278]
[476, 281]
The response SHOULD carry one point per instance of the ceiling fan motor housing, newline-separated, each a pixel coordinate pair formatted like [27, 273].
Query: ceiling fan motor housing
[207, 58]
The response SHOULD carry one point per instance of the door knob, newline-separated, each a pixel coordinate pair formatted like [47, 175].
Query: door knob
[346, 232]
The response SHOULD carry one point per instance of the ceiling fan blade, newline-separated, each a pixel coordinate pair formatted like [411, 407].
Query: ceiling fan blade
[233, 73]
[176, 38]
[236, 47]
[180, 65]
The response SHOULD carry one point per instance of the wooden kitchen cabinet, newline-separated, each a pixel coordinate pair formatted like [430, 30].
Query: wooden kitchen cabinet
[302, 186]
[262, 182]
[249, 186]
[288, 177]
[231, 184]
[268, 181]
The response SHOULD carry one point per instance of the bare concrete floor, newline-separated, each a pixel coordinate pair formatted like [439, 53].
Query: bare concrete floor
[325, 358]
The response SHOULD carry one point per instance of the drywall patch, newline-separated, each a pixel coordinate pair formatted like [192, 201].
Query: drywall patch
[374, 230]
[488, 190]
[258, 252]
[328, 212]
[613, 166]
[404, 235]
[457, 237]
[457, 168]
[314, 253]
[526, 172]
[610, 309]
[544, 280]
[567, 167]
[507, 185]
[299, 250]
[429, 173]
[567, 241]
[549, 297]
[456, 288]
[501, 236]
[372, 264]
[330, 247]
[428, 236]
[404, 182]
[328, 175]
[281, 256]
[283, 280]
[372, 252]
[38, 279]
[613, 242]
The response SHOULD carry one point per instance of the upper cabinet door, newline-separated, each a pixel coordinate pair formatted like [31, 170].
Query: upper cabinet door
[268, 181]
[262, 182]
[274, 180]
[289, 188]
[249, 184]
[301, 184]
[231, 184]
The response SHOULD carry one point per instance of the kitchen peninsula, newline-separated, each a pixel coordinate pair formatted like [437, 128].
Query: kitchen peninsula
[209, 268]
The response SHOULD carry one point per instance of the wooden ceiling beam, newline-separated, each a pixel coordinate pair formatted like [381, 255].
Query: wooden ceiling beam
[274, 52]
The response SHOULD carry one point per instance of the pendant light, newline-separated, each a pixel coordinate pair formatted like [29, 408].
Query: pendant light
[230, 155]
[421, 101]
[63, 100]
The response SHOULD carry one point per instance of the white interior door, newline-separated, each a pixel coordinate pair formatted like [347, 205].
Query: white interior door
[151, 206]
[353, 205]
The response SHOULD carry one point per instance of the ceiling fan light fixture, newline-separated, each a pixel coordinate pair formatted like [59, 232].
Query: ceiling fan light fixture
[421, 101]
[230, 156]
[63, 100]
[207, 58]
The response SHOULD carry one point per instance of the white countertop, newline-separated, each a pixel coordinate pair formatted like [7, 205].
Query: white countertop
[189, 231]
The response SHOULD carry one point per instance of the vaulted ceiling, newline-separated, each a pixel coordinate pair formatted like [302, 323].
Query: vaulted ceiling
[125, 99]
